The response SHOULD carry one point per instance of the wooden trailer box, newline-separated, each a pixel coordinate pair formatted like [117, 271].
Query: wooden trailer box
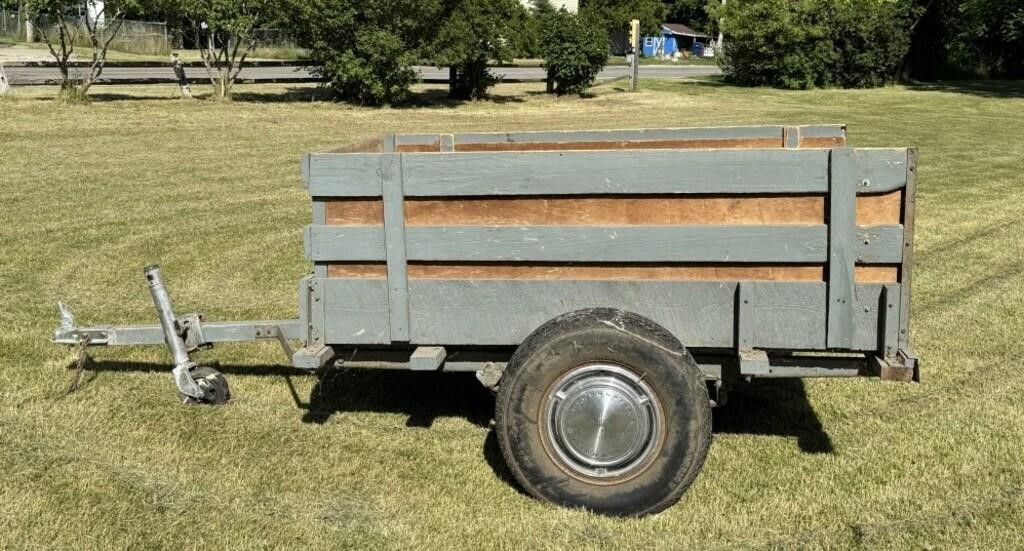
[608, 286]
[753, 240]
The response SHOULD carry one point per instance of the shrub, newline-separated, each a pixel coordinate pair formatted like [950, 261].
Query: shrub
[810, 43]
[377, 68]
[471, 34]
[574, 52]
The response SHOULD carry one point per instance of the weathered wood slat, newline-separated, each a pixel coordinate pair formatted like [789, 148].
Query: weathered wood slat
[615, 271]
[872, 210]
[344, 174]
[879, 170]
[341, 243]
[742, 244]
[627, 135]
[617, 172]
[842, 249]
[394, 242]
[606, 172]
[784, 315]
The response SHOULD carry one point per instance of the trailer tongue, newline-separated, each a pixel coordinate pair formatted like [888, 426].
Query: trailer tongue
[609, 286]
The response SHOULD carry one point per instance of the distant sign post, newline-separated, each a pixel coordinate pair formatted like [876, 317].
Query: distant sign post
[634, 53]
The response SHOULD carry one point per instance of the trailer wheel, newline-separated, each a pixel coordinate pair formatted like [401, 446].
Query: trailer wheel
[606, 410]
[213, 384]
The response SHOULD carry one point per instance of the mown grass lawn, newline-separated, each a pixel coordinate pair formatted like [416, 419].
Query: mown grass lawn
[91, 194]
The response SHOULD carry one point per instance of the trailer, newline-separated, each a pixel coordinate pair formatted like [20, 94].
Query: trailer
[608, 286]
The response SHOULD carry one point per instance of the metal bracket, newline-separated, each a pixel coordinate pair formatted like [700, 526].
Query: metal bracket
[490, 375]
[190, 327]
[901, 368]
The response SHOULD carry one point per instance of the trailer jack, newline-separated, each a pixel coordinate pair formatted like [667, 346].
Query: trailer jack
[182, 335]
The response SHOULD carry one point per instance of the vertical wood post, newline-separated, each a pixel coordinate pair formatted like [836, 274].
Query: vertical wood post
[394, 240]
[842, 249]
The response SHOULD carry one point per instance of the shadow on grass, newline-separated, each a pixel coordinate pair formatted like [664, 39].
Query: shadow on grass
[766, 408]
[982, 88]
[773, 407]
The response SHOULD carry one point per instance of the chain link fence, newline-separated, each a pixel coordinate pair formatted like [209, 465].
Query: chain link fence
[133, 37]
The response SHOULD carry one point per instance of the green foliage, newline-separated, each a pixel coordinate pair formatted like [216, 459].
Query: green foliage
[62, 30]
[812, 43]
[691, 12]
[614, 15]
[574, 51]
[226, 34]
[365, 50]
[471, 34]
[988, 37]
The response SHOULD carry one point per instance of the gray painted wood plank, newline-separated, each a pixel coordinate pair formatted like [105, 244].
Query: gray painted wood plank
[906, 269]
[791, 136]
[504, 312]
[447, 143]
[395, 245]
[344, 175]
[879, 170]
[355, 311]
[714, 133]
[616, 172]
[788, 314]
[879, 244]
[345, 243]
[604, 172]
[822, 130]
[784, 315]
[842, 250]
[744, 317]
[752, 243]
[889, 320]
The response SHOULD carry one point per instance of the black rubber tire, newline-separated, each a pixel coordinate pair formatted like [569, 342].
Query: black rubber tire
[214, 386]
[628, 340]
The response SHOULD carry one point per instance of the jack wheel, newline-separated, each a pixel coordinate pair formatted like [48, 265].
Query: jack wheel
[213, 384]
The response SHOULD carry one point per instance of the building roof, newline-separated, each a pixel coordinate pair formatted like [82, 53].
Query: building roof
[682, 30]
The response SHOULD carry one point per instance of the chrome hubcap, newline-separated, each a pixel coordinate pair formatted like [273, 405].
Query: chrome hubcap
[602, 420]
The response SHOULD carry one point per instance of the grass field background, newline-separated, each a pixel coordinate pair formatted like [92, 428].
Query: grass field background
[91, 194]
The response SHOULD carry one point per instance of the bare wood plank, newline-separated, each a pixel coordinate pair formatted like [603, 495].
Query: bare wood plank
[880, 209]
[627, 210]
[614, 272]
[872, 210]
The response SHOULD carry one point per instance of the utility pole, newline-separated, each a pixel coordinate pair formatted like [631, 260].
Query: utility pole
[721, 37]
[634, 54]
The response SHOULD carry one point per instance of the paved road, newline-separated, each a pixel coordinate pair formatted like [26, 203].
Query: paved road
[126, 75]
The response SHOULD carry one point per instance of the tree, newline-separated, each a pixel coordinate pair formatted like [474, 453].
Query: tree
[471, 34]
[574, 51]
[813, 43]
[226, 35]
[365, 49]
[63, 32]
[691, 12]
[614, 16]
